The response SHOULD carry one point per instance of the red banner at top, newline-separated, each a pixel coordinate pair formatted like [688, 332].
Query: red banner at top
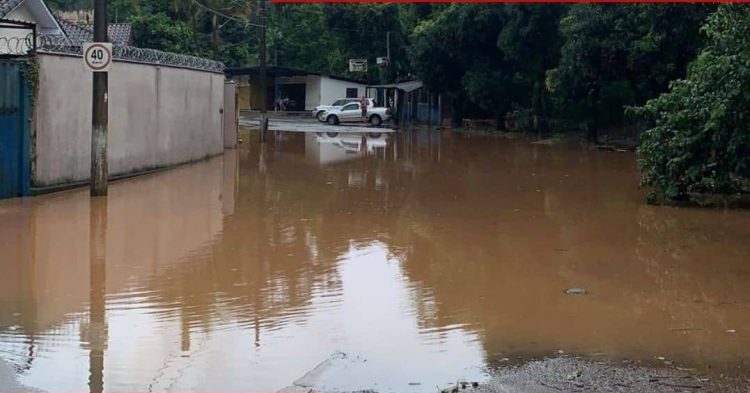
[508, 1]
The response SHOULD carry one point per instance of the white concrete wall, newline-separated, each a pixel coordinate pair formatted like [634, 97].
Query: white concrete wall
[158, 116]
[312, 92]
[331, 89]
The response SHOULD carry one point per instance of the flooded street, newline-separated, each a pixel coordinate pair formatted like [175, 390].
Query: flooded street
[422, 257]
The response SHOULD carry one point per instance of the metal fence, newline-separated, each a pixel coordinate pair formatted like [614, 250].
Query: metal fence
[59, 44]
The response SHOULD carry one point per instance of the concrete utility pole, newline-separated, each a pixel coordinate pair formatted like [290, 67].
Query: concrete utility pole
[388, 45]
[100, 115]
[263, 76]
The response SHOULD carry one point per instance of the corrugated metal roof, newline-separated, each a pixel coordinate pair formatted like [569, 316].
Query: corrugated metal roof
[405, 86]
[76, 32]
[118, 33]
[410, 86]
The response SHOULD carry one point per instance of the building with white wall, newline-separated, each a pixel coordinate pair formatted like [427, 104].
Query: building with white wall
[305, 89]
[14, 40]
[21, 19]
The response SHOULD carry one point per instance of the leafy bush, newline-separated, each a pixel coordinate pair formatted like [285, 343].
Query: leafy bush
[159, 31]
[699, 142]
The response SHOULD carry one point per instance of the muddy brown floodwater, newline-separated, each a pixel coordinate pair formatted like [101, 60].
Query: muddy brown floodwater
[428, 257]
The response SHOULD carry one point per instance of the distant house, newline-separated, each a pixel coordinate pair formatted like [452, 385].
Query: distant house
[34, 11]
[305, 89]
[38, 13]
[411, 101]
[30, 11]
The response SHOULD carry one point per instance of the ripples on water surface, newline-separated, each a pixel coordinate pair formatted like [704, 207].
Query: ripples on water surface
[429, 256]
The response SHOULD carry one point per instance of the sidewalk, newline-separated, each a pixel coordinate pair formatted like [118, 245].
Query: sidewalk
[306, 124]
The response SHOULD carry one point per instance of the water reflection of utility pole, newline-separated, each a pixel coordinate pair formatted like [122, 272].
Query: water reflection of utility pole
[256, 325]
[97, 288]
[263, 151]
[439, 144]
[184, 330]
[395, 148]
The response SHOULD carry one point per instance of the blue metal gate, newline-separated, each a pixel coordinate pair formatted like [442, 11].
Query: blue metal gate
[14, 130]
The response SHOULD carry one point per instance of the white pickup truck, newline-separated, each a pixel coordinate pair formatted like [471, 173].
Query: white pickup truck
[320, 110]
[351, 113]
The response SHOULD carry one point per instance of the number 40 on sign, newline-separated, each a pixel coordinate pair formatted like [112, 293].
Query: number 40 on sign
[97, 56]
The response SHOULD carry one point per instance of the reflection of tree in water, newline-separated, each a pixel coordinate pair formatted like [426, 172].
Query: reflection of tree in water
[495, 249]
[487, 234]
[291, 226]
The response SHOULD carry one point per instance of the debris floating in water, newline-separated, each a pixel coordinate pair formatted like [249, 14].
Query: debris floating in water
[575, 291]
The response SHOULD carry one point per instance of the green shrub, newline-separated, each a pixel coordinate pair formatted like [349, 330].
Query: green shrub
[699, 140]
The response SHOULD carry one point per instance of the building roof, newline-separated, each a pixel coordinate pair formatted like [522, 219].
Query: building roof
[46, 23]
[406, 86]
[6, 6]
[118, 33]
[75, 32]
[279, 71]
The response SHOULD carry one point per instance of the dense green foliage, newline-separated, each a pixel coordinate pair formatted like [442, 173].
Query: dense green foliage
[323, 37]
[489, 59]
[619, 55]
[700, 139]
[561, 67]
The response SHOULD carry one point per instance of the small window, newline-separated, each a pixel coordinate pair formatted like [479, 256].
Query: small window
[350, 107]
[352, 92]
[340, 102]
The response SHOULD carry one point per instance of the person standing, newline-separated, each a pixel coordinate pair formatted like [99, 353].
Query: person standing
[363, 104]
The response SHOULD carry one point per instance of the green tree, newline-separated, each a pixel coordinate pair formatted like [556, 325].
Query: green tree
[699, 141]
[530, 40]
[616, 55]
[455, 52]
[297, 37]
[489, 59]
[158, 31]
[360, 31]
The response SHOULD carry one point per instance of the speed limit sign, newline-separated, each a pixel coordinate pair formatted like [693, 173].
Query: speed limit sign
[97, 56]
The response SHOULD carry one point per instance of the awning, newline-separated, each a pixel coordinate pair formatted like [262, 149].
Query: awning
[407, 87]
[279, 71]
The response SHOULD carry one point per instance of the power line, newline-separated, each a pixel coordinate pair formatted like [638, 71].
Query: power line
[248, 23]
[245, 22]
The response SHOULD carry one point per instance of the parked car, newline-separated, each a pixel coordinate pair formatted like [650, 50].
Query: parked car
[351, 113]
[320, 110]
